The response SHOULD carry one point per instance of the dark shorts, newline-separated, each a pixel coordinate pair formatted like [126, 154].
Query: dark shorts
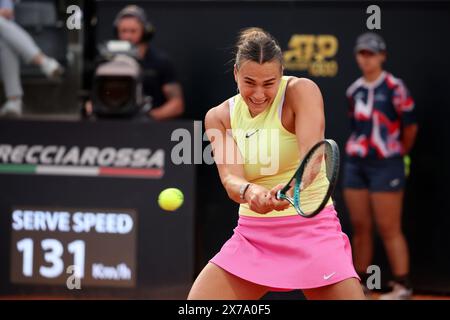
[374, 174]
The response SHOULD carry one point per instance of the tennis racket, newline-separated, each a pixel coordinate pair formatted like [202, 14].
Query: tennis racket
[312, 185]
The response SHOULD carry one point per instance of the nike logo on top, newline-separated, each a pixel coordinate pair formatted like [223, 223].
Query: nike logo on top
[326, 277]
[249, 134]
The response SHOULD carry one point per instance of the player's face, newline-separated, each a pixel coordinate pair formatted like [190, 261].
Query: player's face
[130, 29]
[369, 61]
[258, 83]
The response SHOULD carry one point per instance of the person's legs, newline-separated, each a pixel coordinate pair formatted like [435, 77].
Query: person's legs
[19, 40]
[357, 200]
[10, 75]
[214, 283]
[349, 289]
[358, 204]
[386, 193]
[22, 44]
[10, 71]
[388, 216]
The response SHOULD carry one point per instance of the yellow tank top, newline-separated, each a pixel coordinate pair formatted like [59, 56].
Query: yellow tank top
[270, 152]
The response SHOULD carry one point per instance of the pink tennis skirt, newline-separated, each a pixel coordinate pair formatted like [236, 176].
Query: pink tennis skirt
[287, 253]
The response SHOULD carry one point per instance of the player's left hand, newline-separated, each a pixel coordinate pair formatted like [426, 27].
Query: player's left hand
[278, 205]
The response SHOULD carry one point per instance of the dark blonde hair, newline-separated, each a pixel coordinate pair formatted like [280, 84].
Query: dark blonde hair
[256, 44]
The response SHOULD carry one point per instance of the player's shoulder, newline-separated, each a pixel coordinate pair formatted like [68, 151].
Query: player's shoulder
[300, 87]
[218, 115]
[219, 111]
[295, 83]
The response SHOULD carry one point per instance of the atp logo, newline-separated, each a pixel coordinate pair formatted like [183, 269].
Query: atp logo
[312, 53]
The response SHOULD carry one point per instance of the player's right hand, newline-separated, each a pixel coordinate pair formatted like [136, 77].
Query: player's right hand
[258, 199]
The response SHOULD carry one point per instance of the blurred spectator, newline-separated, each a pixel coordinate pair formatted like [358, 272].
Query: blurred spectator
[159, 81]
[15, 42]
[384, 129]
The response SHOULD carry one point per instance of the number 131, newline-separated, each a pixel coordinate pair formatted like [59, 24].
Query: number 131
[53, 254]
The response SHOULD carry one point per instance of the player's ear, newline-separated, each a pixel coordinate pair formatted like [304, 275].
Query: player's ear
[235, 71]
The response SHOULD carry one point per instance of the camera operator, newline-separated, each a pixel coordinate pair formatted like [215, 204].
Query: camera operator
[158, 76]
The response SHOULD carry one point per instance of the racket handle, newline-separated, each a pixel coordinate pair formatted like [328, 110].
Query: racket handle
[278, 195]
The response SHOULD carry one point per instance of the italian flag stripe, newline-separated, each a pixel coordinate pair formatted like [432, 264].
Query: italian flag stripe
[17, 168]
[131, 172]
[81, 171]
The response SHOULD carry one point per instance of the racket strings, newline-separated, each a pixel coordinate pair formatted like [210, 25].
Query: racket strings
[313, 168]
[315, 179]
[310, 188]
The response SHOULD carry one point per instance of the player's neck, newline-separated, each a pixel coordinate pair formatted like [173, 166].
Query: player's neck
[372, 76]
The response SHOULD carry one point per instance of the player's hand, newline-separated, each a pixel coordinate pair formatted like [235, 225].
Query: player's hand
[258, 199]
[278, 205]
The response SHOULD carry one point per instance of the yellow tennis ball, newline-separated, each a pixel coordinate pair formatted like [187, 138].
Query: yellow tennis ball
[170, 199]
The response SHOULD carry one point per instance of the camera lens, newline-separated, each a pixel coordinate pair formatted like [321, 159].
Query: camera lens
[115, 93]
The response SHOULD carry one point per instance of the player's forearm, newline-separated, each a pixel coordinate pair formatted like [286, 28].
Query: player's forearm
[171, 109]
[233, 184]
[409, 137]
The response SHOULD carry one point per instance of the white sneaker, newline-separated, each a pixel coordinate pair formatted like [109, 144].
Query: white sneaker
[399, 292]
[51, 68]
[12, 107]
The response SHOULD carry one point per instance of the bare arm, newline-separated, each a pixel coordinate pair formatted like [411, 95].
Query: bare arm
[409, 137]
[174, 105]
[231, 172]
[229, 162]
[305, 99]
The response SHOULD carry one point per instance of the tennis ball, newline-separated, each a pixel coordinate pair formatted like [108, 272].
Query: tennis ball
[170, 199]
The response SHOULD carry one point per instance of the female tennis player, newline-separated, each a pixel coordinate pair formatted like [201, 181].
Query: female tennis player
[383, 131]
[272, 248]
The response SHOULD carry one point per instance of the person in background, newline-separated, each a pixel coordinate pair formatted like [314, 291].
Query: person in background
[383, 131]
[159, 81]
[16, 43]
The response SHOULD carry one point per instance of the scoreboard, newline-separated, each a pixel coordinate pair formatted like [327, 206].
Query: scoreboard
[54, 246]
[79, 208]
